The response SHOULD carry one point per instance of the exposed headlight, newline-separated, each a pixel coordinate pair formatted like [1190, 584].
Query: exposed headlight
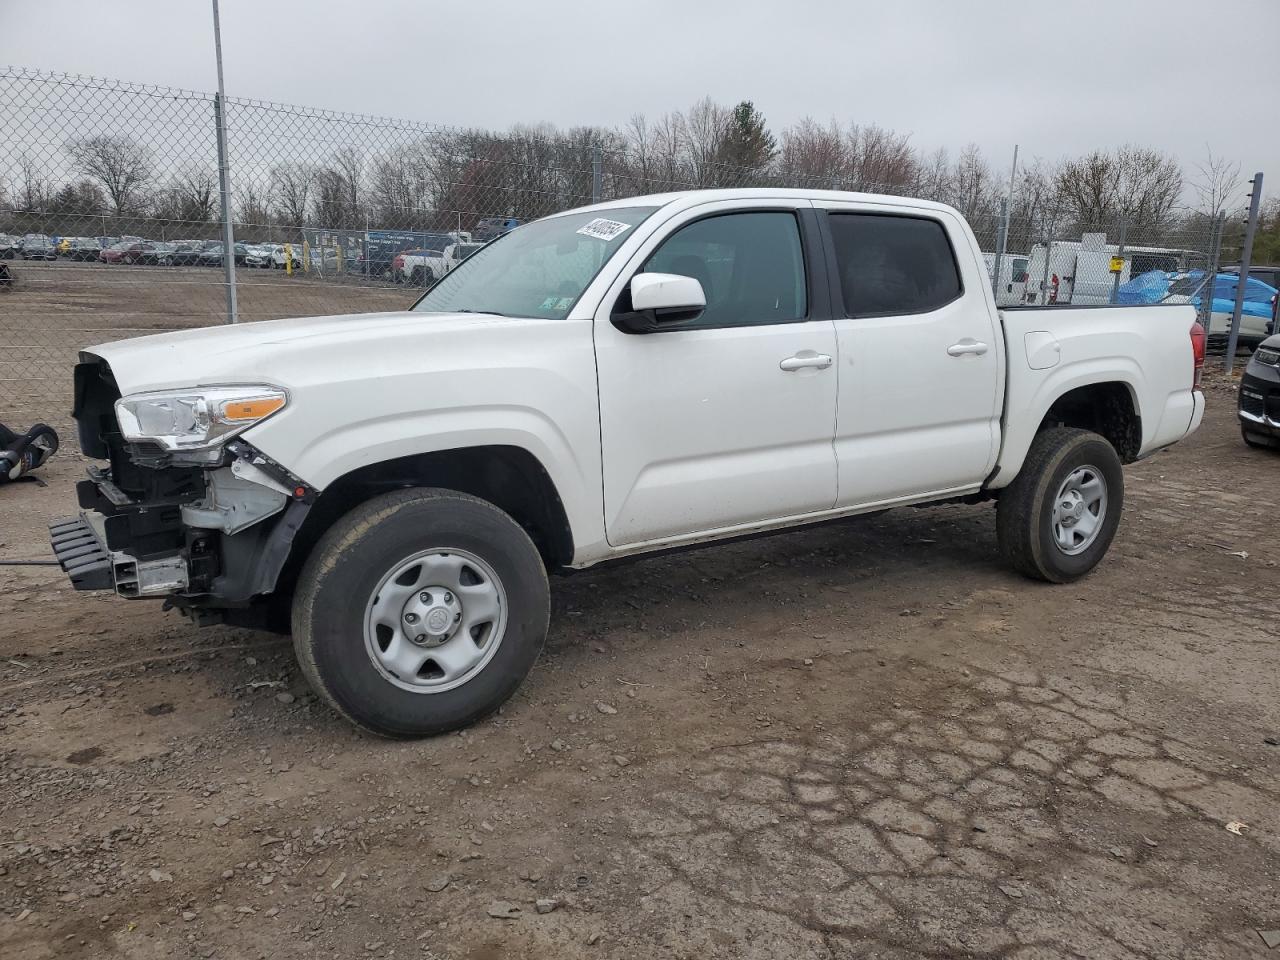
[196, 419]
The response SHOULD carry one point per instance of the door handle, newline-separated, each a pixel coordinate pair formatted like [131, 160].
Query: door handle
[806, 359]
[967, 346]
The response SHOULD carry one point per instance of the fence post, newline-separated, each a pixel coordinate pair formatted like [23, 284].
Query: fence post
[1211, 269]
[224, 179]
[1115, 278]
[1048, 249]
[1002, 238]
[597, 173]
[1246, 255]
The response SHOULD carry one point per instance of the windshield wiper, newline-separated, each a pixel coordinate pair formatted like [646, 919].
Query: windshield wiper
[490, 313]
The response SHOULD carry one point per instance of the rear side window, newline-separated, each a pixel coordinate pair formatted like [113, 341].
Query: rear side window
[893, 264]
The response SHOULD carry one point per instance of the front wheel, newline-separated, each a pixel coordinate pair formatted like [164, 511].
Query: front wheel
[420, 612]
[1057, 518]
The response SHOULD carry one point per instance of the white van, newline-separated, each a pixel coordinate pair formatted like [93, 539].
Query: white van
[1012, 286]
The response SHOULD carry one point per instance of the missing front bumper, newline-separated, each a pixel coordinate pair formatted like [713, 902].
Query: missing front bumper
[81, 554]
[90, 565]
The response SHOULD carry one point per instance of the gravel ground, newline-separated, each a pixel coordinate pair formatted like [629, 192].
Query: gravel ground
[863, 740]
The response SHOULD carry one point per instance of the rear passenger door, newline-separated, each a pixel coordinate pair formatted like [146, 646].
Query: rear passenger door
[921, 376]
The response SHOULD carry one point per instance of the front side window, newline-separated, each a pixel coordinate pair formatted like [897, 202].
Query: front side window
[750, 265]
[892, 264]
[538, 270]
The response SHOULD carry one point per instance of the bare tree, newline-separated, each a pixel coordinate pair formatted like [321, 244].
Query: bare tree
[1134, 185]
[933, 176]
[814, 156]
[1218, 181]
[879, 160]
[400, 188]
[973, 186]
[1034, 198]
[705, 130]
[195, 192]
[1088, 187]
[291, 187]
[640, 143]
[340, 191]
[253, 208]
[34, 191]
[118, 162]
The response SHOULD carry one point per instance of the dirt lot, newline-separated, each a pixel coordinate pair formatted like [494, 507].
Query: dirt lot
[58, 308]
[864, 740]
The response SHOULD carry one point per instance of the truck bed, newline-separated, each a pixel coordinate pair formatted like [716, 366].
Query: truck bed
[1052, 350]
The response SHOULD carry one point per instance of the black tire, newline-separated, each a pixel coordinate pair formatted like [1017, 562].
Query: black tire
[415, 276]
[1256, 440]
[346, 567]
[1025, 511]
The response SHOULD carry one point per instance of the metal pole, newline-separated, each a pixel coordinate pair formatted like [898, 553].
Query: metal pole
[224, 179]
[1048, 249]
[597, 174]
[1013, 172]
[1002, 238]
[1002, 231]
[1211, 270]
[1115, 278]
[1246, 255]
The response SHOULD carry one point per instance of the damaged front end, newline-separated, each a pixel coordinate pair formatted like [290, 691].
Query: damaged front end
[208, 526]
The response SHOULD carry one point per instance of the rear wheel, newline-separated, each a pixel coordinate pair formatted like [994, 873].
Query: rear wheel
[1057, 518]
[420, 612]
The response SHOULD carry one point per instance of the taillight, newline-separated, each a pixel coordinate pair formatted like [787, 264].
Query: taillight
[1199, 340]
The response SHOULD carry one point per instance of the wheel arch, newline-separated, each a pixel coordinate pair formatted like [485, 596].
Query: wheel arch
[510, 477]
[1107, 407]
[1107, 401]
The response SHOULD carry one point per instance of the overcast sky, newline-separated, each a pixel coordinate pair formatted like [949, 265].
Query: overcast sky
[1056, 78]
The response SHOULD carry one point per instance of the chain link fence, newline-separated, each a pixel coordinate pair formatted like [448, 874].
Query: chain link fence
[110, 215]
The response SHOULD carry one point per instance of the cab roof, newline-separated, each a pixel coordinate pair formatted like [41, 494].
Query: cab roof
[690, 198]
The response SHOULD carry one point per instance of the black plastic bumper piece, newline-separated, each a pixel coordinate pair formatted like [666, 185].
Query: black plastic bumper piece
[81, 554]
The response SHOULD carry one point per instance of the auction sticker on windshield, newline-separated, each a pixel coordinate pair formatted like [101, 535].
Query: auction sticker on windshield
[603, 229]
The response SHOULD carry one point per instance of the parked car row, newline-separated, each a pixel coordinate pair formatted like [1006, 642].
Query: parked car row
[141, 251]
[32, 246]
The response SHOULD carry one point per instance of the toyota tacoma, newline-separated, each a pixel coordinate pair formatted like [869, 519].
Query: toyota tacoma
[645, 374]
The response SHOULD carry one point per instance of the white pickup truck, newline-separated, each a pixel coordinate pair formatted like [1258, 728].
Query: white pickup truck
[425, 267]
[629, 377]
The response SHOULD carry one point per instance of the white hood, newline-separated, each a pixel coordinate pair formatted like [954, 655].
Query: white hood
[272, 351]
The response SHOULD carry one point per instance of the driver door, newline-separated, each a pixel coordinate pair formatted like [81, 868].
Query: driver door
[725, 421]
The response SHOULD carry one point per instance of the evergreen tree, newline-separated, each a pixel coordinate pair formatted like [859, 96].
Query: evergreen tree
[747, 141]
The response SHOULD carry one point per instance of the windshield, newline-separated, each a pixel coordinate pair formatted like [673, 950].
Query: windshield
[537, 270]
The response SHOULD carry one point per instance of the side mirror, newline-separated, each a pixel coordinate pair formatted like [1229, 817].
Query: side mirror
[661, 298]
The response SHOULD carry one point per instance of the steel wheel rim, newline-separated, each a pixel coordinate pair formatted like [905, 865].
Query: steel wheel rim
[1079, 510]
[435, 620]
